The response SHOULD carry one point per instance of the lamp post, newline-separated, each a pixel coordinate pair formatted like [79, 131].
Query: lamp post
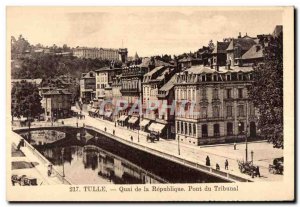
[246, 140]
[178, 145]
[63, 162]
[252, 156]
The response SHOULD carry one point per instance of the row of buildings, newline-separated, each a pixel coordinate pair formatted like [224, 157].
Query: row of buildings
[209, 93]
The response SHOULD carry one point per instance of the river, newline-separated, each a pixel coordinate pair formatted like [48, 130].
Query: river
[97, 159]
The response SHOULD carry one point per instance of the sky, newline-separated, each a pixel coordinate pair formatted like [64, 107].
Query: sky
[145, 30]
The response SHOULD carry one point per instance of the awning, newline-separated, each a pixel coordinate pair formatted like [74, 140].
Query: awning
[123, 118]
[108, 114]
[94, 110]
[144, 122]
[156, 127]
[133, 120]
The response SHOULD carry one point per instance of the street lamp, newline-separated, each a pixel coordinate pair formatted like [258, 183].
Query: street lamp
[252, 156]
[246, 139]
[178, 146]
[63, 162]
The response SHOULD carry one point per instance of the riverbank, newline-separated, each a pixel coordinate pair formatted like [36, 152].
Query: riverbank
[38, 170]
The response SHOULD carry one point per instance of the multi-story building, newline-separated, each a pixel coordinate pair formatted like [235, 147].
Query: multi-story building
[219, 55]
[87, 87]
[131, 89]
[153, 81]
[104, 79]
[213, 105]
[101, 53]
[166, 118]
[57, 104]
[237, 48]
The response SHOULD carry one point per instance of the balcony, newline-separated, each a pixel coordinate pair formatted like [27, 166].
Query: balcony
[129, 90]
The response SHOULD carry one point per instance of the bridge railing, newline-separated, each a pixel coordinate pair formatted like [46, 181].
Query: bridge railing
[203, 168]
[45, 161]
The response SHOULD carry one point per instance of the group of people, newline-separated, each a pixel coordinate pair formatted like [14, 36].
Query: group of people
[207, 163]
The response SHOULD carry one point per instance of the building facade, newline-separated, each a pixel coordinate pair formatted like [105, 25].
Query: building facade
[101, 53]
[87, 87]
[213, 105]
[57, 104]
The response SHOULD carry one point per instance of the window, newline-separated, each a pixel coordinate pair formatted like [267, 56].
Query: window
[98, 86]
[203, 93]
[190, 128]
[185, 128]
[203, 77]
[241, 110]
[241, 127]
[215, 111]
[228, 91]
[252, 110]
[215, 93]
[194, 129]
[240, 76]
[215, 78]
[240, 92]
[216, 130]
[229, 111]
[178, 127]
[203, 112]
[204, 130]
[182, 129]
[193, 98]
[229, 128]
[228, 77]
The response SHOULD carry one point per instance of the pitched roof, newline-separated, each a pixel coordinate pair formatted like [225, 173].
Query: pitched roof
[244, 43]
[90, 74]
[147, 61]
[254, 52]
[169, 85]
[220, 47]
[200, 69]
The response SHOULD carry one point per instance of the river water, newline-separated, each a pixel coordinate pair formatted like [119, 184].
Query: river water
[97, 159]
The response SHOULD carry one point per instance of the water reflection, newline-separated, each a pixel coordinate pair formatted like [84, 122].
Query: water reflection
[97, 159]
[92, 165]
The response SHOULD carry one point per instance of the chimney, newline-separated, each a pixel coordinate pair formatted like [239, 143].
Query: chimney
[239, 35]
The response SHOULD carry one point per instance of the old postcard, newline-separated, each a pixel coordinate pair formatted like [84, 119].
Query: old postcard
[150, 104]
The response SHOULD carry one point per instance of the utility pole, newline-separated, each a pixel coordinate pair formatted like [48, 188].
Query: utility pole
[246, 132]
[178, 145]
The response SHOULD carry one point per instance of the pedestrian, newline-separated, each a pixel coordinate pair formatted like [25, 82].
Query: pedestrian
[115, 124]
[257, 171]
[113, 132]
[131, 138]
[49, 170]
[217, 166]
[207, 161]
[62, 122]
[234, 146]
[105, 129]
[226, 164]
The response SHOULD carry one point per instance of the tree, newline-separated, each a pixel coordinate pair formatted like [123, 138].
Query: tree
[20, 45]
[26, 100]
[211, 45]
[267, 90]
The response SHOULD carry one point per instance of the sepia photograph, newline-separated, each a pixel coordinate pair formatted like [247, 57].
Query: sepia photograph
[150, 103]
